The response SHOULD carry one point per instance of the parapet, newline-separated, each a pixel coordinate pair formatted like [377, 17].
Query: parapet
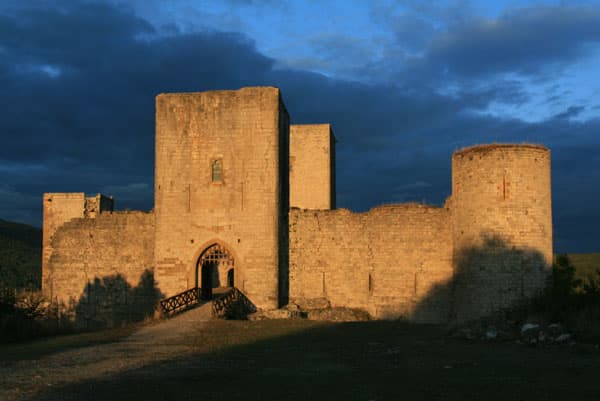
[175, 101]
[479, 149]
[97, 204]
[69, 205]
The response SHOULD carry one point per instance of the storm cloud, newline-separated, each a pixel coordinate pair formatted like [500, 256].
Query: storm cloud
[78, 81]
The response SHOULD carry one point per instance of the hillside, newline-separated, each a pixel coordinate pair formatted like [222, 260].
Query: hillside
[20, 255]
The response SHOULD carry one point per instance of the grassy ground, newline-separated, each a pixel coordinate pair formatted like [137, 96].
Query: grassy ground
[585, 263]
[304, 360]
[50, 345]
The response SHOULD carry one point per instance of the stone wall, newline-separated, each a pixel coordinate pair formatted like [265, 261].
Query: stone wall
[57, 209]
[247, 132]
[98, 204]
[312, 167]
[393, 261]
[227, 168]
[489, 248]
[501, 203]
[100, 269]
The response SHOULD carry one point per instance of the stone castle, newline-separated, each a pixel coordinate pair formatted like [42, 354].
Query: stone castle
[244, 199]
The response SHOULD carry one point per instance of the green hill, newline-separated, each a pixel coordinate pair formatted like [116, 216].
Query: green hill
[20, 255]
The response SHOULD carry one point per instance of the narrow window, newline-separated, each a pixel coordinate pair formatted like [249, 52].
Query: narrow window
[217, 171]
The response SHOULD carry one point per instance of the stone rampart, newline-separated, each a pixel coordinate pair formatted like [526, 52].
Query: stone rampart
[57, 208]
[101, 269]
[502, 219]
[393, 261]
[228, 164]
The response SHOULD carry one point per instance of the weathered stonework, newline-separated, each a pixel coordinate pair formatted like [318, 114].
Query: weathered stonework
[228, 168]
[59, 208]
[102, 266]
[248, 132]
[312, 167]
[117, 243]
[502, 225]
[385, 261]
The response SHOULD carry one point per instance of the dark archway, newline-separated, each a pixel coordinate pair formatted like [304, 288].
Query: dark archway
[230, 278]
[214, 269]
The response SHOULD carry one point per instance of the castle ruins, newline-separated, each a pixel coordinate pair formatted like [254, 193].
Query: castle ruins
[242, 198]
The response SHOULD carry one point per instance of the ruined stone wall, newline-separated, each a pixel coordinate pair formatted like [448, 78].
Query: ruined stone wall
[100, 268]
[227, 167]
[98, 204]
[393, 261]
[57, 209]
[242, 129]
[501, 203]
[312, 167]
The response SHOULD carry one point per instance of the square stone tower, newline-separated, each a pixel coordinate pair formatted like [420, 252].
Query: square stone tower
[222, 192]
[312, 167]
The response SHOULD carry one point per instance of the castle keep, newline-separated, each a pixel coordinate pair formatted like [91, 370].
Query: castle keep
[244, 199]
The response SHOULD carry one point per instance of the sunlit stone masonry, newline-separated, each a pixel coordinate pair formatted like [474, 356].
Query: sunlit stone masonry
[242, 198]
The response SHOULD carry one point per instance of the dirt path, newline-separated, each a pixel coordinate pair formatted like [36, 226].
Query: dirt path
[189, 358]
[151, 344]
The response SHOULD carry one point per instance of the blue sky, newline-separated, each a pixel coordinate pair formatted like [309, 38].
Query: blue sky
[342, 39]
[404, 83]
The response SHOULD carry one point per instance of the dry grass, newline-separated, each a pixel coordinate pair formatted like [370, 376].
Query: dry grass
[585, 264]
[38, 348]
[307, 360]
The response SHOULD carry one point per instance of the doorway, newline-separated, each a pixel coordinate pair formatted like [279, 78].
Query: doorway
[215, 270]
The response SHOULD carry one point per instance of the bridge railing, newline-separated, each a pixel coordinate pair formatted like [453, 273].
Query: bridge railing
[234, 305]
[181, 301]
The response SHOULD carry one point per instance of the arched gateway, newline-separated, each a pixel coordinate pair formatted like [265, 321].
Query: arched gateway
[214, 269]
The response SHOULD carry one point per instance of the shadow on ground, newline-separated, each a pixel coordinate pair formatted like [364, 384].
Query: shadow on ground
[302, 360]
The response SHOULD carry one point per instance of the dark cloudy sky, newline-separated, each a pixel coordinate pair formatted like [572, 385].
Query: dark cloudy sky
[404, 83]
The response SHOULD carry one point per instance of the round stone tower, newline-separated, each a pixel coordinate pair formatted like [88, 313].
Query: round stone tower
[502, 218]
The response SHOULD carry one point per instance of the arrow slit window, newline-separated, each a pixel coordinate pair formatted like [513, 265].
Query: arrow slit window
[217, 170]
